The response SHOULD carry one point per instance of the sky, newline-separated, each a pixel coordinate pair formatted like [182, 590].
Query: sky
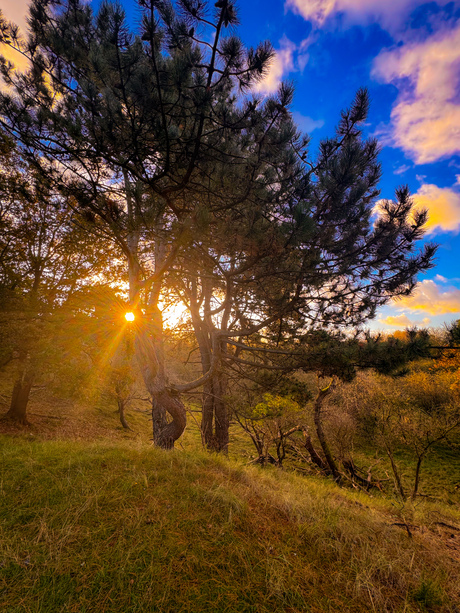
[407, 53]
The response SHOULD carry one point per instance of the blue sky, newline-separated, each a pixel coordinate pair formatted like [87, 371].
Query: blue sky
[407, 52]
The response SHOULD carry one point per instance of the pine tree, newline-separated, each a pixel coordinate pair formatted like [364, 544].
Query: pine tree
[150, 131]
[313, 261]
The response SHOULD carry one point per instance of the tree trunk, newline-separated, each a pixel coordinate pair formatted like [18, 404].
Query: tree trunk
[164, 400]
[148, 332]
[214, 418]
[207, 413]
[121, 413]
[315, 457]
[417, 475]
[221, 420]
[20, 397]
[394, 468]
[214, 421]
[320, 431]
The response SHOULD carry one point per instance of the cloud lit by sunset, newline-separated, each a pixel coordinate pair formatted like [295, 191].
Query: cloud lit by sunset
[402, 321]
[430, 298]
[443, 205]
[15, 11]
[388, 13]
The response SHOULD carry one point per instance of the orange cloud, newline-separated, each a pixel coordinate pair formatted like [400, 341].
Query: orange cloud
[282, 63]
[428, 297]
[388, 13]
[15, 11]
[402, 321]
[443, 205]
[426, 118]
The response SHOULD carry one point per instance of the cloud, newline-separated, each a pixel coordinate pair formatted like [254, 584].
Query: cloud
[425, 122]
[402, 169]
[428, 297]
[443, 205]
[15, 11]
[282, 63]
[388, 13]
[307, 124]
[402, 321]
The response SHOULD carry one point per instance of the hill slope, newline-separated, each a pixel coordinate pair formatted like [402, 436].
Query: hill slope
[120, 526]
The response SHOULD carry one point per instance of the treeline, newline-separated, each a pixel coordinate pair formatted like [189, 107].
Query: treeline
[138, 169]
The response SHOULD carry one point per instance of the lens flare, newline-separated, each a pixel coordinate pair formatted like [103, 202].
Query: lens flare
[129, 316]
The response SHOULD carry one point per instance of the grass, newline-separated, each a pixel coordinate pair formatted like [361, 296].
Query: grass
[94, 519]
[118, 526]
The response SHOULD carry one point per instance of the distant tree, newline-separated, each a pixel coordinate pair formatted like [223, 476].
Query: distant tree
[335, 358]
[270, 423]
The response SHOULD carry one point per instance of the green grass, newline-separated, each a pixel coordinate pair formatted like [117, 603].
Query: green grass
[118, 526]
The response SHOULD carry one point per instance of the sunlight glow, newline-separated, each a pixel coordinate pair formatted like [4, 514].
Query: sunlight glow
[129, 316]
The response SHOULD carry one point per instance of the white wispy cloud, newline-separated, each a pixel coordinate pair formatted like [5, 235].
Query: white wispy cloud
[390, 14]
[289, 58]
[401, 169]
[307, 124]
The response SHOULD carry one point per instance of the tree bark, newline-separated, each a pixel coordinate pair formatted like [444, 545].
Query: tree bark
[214, 418]
[221, 420]
[315, 457]
[417, 475]
[165, 402]
[320, 431]
[20, 397]
[394, 468]
[215, 421]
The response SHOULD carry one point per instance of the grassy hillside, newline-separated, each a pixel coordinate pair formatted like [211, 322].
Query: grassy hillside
[118, 526]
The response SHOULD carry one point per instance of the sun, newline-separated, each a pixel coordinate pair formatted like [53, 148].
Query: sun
[129, 316]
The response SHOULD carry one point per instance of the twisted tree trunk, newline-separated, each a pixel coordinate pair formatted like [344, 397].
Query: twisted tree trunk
[168, 410]
[148, 334]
